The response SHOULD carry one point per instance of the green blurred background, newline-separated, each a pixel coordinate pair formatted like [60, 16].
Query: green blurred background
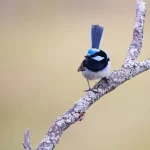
[42, 43]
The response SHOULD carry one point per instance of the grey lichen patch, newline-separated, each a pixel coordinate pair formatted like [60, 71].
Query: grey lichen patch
[46, 139]
[60, 122]
[69, 118]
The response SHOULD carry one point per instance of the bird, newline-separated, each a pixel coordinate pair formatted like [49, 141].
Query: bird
[96, 64]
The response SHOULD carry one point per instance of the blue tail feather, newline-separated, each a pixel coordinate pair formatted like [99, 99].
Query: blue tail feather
[96, 35]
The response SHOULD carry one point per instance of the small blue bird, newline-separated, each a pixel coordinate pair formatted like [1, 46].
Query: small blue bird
[96, 64]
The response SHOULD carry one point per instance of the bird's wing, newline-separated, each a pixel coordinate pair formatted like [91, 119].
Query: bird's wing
[95, 65]
[81, 67]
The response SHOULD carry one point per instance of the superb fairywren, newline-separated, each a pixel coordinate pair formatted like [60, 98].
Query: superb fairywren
[96, 63]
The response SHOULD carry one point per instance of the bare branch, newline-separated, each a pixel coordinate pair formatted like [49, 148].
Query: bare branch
[71, 116]
[26, 143]
[130, 69]
[136, 44]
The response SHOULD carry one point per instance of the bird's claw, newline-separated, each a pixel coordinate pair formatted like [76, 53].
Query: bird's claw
[105, 80]
[91, 90]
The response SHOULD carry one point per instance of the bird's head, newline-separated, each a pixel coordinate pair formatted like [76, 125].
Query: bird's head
[92, 51]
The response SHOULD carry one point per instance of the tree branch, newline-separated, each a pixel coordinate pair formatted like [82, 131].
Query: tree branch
[130, 69]
[26, 143]
[136, 44]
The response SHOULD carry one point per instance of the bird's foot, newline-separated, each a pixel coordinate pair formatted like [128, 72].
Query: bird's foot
[105, 80]
[91, 90]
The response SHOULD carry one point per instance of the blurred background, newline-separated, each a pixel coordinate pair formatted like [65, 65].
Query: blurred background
[42, 43]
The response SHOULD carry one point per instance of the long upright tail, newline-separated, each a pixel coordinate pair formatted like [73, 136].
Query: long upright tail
[96, 35]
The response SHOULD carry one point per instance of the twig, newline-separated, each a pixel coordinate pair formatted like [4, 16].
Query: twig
[130, 69]
[26, 143]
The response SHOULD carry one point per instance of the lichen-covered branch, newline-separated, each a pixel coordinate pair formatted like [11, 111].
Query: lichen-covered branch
[136, 44]
[130, 69]
[26, 143]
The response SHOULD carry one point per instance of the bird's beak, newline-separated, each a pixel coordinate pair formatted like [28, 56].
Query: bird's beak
[80, 69]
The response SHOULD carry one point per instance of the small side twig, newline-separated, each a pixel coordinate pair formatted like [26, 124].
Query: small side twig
[26, 143]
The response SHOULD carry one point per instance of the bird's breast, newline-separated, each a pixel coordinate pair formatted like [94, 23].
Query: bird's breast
[91, 75]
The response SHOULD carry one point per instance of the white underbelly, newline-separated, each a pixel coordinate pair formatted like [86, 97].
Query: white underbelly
[90, 75]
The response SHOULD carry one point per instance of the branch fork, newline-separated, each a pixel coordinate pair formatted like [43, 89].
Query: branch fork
[130, 69]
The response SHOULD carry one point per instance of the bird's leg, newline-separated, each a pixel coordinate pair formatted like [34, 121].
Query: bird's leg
[105, 80]
[90, 89]
[88, 86]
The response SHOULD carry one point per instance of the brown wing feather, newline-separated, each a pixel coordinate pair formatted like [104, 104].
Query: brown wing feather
[81, 67]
